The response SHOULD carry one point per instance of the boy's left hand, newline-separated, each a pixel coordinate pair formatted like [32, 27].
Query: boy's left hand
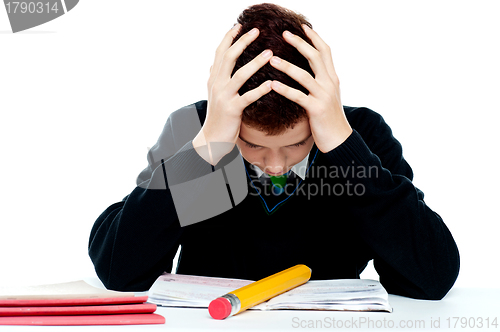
[329, 125]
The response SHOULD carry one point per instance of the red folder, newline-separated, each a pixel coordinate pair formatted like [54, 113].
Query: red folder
[72, 302]
[145, 308]
[127, 319]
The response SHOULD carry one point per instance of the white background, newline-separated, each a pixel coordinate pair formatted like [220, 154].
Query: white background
[84, 96]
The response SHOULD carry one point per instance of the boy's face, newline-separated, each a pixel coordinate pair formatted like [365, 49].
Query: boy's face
[275, 155]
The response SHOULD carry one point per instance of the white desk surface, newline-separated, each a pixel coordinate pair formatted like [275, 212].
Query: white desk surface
[462, 309]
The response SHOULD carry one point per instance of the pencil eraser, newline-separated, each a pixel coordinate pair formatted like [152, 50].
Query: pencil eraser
[219, 308]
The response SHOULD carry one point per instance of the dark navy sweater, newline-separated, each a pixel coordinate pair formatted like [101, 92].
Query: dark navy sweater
[356, 203]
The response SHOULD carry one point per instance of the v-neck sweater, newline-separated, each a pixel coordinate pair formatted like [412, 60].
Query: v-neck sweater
[357, 203]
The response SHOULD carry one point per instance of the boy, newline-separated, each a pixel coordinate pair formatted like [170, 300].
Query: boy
[273, 171]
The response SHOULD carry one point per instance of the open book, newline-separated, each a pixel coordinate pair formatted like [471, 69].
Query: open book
[177, 290]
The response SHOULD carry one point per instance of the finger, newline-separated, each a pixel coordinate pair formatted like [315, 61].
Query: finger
[229, 57]
[244, 73]
[310, 53]
[292, 94]
[225, 44]
[323, 49]
[298, 74]
[253, 95]
[219, 52]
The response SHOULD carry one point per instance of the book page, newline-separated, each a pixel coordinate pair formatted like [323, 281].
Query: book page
[191, 291]
[342, 289]
[341, 294]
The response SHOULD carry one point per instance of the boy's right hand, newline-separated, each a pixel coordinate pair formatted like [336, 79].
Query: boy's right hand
[225, 106]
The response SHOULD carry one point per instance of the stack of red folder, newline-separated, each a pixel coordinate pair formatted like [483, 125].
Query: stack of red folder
[78, 310]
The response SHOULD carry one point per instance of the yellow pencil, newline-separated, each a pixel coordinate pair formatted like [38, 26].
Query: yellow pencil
[259, 291]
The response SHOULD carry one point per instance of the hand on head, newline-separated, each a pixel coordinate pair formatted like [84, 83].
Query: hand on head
[225, 105]
[307, 88]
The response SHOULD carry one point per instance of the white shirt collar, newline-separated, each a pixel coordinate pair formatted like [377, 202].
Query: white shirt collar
[299, 168]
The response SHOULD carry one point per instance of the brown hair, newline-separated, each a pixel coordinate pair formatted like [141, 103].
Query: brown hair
[272, 113]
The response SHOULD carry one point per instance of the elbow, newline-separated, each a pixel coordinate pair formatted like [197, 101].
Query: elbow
[117, 285]
[121, 284]
[123, 281]
[103, 270]
[432, 284]
[446, 282]
[443, 275]
[442, 280]
[118, 281]
[434, 294]
[123, 277]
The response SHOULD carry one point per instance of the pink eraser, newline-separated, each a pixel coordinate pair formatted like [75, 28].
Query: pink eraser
[219, 308]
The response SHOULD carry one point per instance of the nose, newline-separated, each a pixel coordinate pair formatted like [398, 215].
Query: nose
[275, 163]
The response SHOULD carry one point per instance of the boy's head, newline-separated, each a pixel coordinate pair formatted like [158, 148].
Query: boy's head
[272, 113]
[275, 133]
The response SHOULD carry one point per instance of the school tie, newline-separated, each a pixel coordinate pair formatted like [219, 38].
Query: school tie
[278, 184]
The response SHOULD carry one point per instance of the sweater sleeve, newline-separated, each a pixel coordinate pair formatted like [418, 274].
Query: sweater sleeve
[414, 253]
[135, 240]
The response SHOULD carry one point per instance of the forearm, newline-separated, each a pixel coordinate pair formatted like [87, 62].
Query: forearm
[414, 251]
[135, 240]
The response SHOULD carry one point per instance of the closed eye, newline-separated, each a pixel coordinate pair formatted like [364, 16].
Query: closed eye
[252, 146]
[298, 144]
